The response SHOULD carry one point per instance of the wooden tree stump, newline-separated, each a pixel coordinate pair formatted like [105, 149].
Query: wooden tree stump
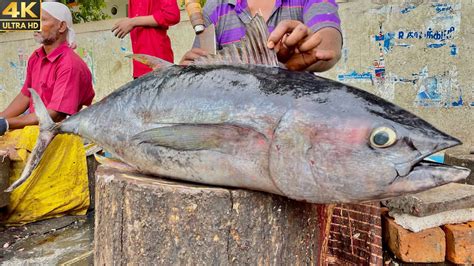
[4, 180]
[143, 220]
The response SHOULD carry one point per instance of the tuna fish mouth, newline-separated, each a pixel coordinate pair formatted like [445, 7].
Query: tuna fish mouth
[420, 174]
[405, 168]
[425, 175]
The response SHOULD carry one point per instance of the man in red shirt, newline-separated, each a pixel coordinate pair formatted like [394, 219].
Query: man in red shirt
[64, 83]
[55, 72]
[147, 23]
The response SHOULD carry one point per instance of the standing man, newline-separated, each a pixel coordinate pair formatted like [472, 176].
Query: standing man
[148, 23]
[59, 76]
[305, 34]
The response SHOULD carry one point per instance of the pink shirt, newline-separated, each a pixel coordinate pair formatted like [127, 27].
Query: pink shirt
[62, 80]
[152, 40]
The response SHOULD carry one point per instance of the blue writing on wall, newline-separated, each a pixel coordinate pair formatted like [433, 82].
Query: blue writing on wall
[459, 102]
[435, 45]
[355, 76]
[454, 50]
[439, 37]
[407, 9]
[430, 34]
[443, 8]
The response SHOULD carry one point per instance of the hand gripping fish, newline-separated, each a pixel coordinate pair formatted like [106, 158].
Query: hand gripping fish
[238, 119]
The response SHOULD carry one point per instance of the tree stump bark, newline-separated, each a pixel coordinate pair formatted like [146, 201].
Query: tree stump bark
[4, 180]
[143, 220]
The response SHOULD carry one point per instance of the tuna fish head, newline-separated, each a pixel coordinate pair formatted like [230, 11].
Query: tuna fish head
[357, 147]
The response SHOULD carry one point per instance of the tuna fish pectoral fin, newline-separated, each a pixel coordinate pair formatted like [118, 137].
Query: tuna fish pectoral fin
[114, 163]
[48, 129]
[151, 61]
[187, 137]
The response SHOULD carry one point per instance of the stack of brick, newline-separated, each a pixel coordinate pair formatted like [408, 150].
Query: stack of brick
[432, 226]
[356, 235]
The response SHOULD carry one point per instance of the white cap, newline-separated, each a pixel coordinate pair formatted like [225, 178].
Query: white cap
[62, 13]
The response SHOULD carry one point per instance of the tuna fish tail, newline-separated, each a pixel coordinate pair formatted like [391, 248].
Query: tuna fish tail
[48, 129]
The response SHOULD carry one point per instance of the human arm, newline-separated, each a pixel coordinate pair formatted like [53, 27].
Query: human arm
[31, 119]
[14, 119]
[16, 107]
[124, 26]
[165, 13]
[196, 50]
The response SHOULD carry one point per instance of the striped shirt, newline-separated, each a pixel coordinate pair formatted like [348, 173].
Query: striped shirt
[230, 17]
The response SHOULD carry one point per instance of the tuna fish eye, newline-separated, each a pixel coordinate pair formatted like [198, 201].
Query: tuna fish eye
[383, 137]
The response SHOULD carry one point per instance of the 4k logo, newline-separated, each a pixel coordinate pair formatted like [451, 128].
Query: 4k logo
[20, 15]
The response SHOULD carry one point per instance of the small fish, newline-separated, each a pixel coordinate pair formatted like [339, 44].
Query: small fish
[238, 119]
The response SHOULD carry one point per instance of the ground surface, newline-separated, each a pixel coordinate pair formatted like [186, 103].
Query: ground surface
[50, 242]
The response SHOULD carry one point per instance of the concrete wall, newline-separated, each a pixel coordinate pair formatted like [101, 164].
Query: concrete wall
[415, 53]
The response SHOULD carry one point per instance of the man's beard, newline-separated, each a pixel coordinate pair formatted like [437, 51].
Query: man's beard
[45, 41]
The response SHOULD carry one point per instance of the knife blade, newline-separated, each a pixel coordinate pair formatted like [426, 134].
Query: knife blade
[206, 35]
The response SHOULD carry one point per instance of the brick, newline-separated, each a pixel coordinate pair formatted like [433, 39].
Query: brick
[417, 224]
[361, 208]
[460, 243]
[427, 246]
[356, 234]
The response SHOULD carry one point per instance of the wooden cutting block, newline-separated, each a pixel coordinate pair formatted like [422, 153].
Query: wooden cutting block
[142, 220]
[4, 180]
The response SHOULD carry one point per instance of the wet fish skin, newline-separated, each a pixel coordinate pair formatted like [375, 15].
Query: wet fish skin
[269, 129]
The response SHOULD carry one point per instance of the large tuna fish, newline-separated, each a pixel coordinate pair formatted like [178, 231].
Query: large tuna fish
[263, 128]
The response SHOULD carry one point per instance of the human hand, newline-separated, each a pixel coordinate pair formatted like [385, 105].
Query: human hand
[3, 126]
[192, 55]
[123, 27]
[73, 45]
[300, 49]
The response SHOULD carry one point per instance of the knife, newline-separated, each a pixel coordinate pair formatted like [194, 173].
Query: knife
[206, 35]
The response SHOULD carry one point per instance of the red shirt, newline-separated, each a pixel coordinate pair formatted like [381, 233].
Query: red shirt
[152, 40]
[62, 80]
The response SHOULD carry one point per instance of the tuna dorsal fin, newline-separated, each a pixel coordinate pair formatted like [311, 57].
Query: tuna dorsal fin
[151, 61]
[252, 48]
